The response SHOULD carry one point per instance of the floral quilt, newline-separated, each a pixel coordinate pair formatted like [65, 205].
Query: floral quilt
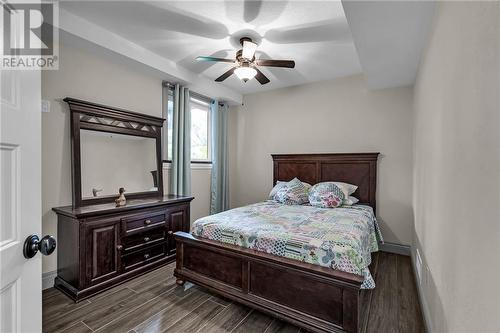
[341, 238]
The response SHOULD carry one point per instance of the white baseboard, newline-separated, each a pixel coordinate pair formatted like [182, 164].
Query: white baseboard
[404, 250]
[48, 279]
[421, 298]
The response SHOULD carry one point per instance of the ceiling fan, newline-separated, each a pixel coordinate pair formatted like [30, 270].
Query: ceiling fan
[246, 64]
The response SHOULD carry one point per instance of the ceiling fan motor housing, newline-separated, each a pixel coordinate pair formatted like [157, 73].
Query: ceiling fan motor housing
[241, 60]
[243, 39]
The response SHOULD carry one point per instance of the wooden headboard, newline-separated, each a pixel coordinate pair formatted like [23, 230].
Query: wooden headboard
[357, 169]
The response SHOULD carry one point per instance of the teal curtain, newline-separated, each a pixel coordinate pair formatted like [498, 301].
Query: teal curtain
[180, 174]
[219, 185]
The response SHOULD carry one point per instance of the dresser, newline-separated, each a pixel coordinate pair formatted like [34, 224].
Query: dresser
[99, 244]
[102, 245]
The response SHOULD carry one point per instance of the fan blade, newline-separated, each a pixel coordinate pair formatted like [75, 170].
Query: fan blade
[225, 75]
[248, 49]
[251, 9]
[261, 77]
[275, 63]
[203, 58]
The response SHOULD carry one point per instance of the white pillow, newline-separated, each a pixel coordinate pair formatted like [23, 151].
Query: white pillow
[348, 189]
[350, 201]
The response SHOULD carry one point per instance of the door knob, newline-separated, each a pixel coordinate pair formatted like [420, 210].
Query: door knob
[33, 244]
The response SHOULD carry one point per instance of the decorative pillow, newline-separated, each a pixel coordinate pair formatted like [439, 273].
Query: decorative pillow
[276, 188]
[350, 201]
[293, 193]
[326, 195]
[307, 186]
[280, 184]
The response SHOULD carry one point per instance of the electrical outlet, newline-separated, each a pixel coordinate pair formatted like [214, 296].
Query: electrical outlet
[45, 105]
[418, 264]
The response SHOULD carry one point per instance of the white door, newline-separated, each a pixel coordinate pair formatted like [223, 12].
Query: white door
[20, 200]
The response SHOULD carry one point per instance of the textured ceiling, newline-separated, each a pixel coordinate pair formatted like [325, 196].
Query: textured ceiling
[313, 33]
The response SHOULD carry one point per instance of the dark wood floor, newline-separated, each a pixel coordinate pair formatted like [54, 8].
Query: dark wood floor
[153, 303]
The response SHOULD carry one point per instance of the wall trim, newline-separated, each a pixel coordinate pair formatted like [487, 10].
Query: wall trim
[404, 250]
[48, 279]
[424, 307]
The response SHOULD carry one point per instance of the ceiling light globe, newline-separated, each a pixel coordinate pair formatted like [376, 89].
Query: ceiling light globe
[245, 73]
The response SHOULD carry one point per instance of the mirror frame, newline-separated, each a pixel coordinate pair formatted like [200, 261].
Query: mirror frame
[102, 118]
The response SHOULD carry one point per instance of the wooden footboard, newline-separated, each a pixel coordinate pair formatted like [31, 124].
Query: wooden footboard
[316, 298]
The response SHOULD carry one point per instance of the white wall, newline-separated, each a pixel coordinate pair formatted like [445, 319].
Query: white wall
[200, 189]
[333, 116]
[457, 168]
[101, 79]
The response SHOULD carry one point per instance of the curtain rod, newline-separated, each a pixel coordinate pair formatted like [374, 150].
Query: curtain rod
[193, 93]
[200, 96]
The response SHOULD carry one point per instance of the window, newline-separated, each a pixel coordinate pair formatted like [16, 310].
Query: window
[170, 118]
[200, 129]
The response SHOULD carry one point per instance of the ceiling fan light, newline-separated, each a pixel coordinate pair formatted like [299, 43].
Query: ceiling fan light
[245, 73]
[249, 49]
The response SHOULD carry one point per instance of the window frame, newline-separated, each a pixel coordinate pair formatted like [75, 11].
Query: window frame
[169, 91]
[204, 102]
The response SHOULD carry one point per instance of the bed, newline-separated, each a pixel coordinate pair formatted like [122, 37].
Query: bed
[288, 283]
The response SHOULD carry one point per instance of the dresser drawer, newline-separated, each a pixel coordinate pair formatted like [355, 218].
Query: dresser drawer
[146, 238]
[142, 223]
[142, 257]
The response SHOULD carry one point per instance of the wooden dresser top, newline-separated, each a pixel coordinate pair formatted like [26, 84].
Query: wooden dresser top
[110, 208]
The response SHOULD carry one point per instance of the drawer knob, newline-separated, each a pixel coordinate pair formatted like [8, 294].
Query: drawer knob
[146, 239]
[119, 247]
[146, 256]
[147, 222]
[170, 232]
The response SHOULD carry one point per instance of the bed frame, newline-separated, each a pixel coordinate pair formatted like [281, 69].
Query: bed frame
[316, 298]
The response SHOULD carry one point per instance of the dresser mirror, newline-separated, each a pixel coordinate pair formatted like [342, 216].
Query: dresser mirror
[110, 161]
[114, 148]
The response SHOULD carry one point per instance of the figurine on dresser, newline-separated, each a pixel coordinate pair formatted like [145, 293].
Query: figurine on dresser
[121, 201]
